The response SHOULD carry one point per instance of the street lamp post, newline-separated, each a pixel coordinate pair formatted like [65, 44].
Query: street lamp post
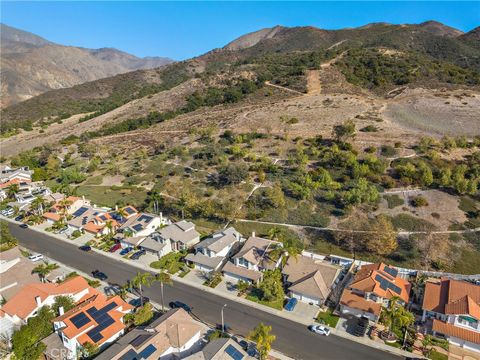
[223, 323]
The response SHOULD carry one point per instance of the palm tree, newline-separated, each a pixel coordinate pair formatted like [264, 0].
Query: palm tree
[64, 205]
[38, 203]
[275, 233]
[12, 190]
[395, 314]
[261, 335]
[163, 278]
[140, 280]
[156, 199]
[44, 269]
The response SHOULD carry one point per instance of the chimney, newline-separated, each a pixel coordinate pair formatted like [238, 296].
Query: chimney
[61, 310]
[237, 235]
[83, 198]
[253, 233]
[161, 217]
[116, 207]
[38, 300]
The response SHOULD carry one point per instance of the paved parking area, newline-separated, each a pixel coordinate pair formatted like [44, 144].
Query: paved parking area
[305, 311]
[195, 276]
[227, 287]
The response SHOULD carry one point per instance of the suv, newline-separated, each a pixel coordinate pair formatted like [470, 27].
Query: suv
[137, 255]
[179, 304]
[85, 248]
[99, 275]
[115, 248]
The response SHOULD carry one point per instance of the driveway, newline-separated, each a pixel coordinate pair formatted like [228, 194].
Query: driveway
[195, 276]
[305, 311]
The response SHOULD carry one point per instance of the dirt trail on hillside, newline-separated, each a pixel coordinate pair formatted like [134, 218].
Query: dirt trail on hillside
[314, 86]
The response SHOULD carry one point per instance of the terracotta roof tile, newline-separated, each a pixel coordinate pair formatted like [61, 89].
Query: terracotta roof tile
[355, 301]
[456, 331]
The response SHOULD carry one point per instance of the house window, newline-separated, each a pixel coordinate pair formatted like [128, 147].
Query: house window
[243, 262]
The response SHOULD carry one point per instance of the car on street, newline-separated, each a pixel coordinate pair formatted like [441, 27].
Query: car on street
[85, 248]
[35, 257]
[179, 304]
[126, 251]
[319, 329]
[99, 275]
[138, 254]
[24, 226]
[290, 305]
[115, 248]
[138, 302]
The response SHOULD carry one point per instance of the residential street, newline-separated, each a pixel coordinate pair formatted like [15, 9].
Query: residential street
[293, 339]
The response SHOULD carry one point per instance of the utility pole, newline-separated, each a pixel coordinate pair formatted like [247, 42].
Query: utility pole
[223, 322]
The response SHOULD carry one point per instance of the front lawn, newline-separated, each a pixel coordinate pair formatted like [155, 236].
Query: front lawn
[171, 262]
[328, 318]
[255, 296]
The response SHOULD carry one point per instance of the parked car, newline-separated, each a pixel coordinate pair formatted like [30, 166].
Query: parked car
[8, 212]
[138, 254]
[138, 302]
[85, 248]
[126, 251]
[63, 230]
[115, 248]
[179, 304]
[24, 226]
[19, 218]
[361, 327]
[290, 305]
[319, 329]
[99, 275]
[35, 257]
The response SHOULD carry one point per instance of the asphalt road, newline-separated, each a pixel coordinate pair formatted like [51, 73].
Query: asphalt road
[293, 339]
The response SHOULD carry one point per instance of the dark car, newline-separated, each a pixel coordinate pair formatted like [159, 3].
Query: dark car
[99, 275]
[137, 255]
[24, 226]
[115, 248]
[126, 251]
[19, 218]
[290, 305]
[179, 304]
[244, 344]
[85, 248]
[138, 302]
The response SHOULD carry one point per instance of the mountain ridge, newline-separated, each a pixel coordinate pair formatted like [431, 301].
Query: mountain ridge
[32, 65]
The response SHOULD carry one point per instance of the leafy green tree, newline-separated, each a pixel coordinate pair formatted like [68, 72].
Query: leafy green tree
[345, 131]
[89, 350]
[383, 238]
[271, 285]
[12, 190]
[264, 338]
[7, 240]
[67, 302]
[361, 192]
[71, 175]
[143, 315]
[233, 173]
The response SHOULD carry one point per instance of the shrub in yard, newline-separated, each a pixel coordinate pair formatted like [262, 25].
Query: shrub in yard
[419, 201]
[76, 234]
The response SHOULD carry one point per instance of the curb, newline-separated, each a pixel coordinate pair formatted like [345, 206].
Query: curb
[241, 300]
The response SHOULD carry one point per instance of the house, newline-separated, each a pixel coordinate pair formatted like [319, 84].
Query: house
[182, 235]
[8, 174]
[174, 335]
[454, 306]
[31, 297]
[15, 272]
[254, 257]
[97, 320]
[128, 241]
[74, 206]
[212, 252]
[157, 245]
[101, 224]
[221, 349]
[142, 224]
[371, 289]
[309, 280]
[83, 216]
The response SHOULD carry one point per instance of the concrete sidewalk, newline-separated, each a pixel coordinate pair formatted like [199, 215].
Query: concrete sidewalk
[364, 340]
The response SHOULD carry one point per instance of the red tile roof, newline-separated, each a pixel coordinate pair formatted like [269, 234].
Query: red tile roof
[98, 301]
[447, 296]
[23, 303]
[12, 182]
[365, 280]
[456, 331]
[355, 301]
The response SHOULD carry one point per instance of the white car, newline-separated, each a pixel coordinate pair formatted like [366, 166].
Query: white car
[35, 257]
[319, 329]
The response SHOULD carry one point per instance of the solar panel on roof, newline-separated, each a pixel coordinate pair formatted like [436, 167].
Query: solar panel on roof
[145, 218]
[145, 353]
[80, 211]
[395, 288]
[137, 227]
[234, 353]
[139, 340]
[129, 210]
[391, 271]
[80, 320]
[95, 336]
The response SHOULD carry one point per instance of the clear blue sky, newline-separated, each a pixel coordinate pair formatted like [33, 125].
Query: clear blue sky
[184, 29]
